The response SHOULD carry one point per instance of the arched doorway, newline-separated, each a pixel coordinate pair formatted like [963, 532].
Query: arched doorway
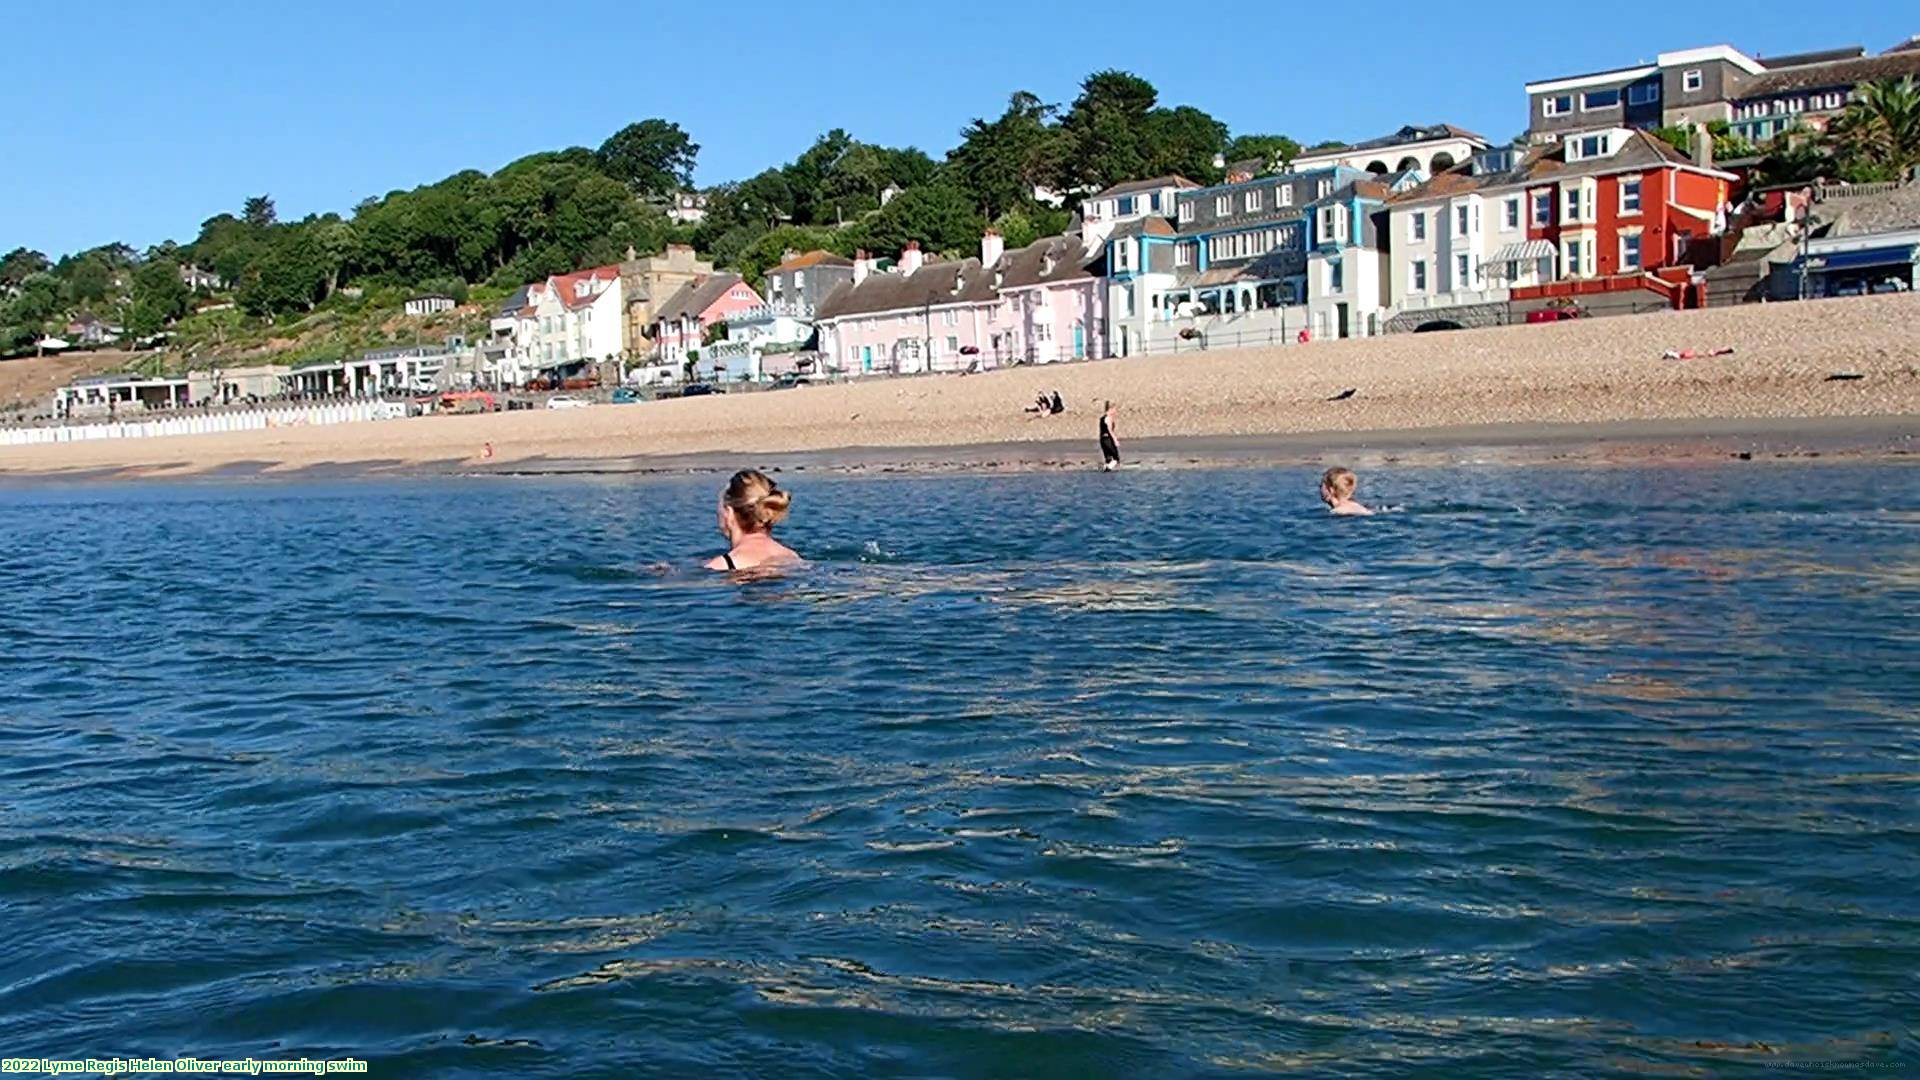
[1442, 160]
[1377, 168]
[1407, 164]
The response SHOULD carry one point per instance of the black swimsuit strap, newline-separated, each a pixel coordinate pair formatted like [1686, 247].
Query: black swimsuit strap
[729, 557]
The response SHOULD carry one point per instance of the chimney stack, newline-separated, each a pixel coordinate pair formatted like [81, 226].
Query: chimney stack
[910, 258]
[862, 265]
[992, 246]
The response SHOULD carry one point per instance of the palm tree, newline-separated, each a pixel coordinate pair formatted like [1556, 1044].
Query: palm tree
[1878, 137]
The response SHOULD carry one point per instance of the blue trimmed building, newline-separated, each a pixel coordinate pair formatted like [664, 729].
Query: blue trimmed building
[1251, 262]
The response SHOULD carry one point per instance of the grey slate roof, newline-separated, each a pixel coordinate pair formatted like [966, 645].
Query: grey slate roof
[1056, 258]
[932, 284]
[1171, 180]
[512, 304]
[1775, 63]
[1053, 259]
[696, 296]
[1864, 215]
[1897, 65]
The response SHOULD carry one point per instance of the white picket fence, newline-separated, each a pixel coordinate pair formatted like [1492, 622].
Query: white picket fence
[208, 423]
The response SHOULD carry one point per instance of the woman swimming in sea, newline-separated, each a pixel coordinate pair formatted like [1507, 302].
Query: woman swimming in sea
[749, 509]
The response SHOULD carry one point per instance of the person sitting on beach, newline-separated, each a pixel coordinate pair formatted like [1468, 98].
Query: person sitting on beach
[1336, 490]
[749, 509]
[1058, 405]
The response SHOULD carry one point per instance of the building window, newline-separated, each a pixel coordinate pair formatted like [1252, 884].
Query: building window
[1629, 250]
[1126, 205]
[1576, 207]
[1325, 188]
[1691, 81]
[1460, 221]
[1186, 211]
[1222, 205]
[1645, 93]
[1286, 195]
[1630, 196]
[1557, 105]
[1420, 225]
[1336, 276]
[1543, 208]
[1462, 269]
[1183, 254]
[1599, 99]
[1253, 200]
[1510, 211]
[950, 317]
[1331, 218]
[1419, 275]
[1590, 146]
[1153, 201]
[1578, 258]
[1123, 255]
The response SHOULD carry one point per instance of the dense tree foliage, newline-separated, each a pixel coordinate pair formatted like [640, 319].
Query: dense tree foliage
[1878, 137]
[159, 297]
[652, 157]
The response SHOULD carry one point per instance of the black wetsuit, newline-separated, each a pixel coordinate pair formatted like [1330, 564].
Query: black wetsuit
[1109, 449]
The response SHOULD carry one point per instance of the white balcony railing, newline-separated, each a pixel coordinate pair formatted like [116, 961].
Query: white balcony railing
[776, 309]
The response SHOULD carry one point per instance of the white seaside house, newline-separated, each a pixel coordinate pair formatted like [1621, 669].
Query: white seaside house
[577, 321]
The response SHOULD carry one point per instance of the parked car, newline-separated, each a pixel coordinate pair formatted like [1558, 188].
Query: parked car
[627, 395]
[701, 389]
[564, 401]
[790, 380]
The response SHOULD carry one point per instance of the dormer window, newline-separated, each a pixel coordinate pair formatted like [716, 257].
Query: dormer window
[1285, 192]
[1222, 205]
[1589, 146]
[1186, 211]
[1325, 188]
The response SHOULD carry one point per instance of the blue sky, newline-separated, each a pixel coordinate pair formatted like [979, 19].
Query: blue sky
[145, 118]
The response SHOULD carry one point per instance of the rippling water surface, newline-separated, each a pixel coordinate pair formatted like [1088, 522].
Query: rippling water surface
[1553, 772]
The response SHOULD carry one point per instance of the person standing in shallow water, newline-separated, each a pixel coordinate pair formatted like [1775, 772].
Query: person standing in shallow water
[750, 507]
[1109, 441]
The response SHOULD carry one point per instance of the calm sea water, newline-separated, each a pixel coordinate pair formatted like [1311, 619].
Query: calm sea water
[1556, 772]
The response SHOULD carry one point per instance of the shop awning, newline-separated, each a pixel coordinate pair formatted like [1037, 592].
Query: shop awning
[1901, 255]
[1522, 252]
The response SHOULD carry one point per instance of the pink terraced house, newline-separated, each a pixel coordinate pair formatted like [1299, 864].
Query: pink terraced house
[1036, 305]
[680, 324]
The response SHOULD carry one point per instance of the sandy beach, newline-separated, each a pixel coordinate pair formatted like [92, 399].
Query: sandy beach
[1555, 386]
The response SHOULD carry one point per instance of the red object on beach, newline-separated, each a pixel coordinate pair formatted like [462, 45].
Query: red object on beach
[1304, 336]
